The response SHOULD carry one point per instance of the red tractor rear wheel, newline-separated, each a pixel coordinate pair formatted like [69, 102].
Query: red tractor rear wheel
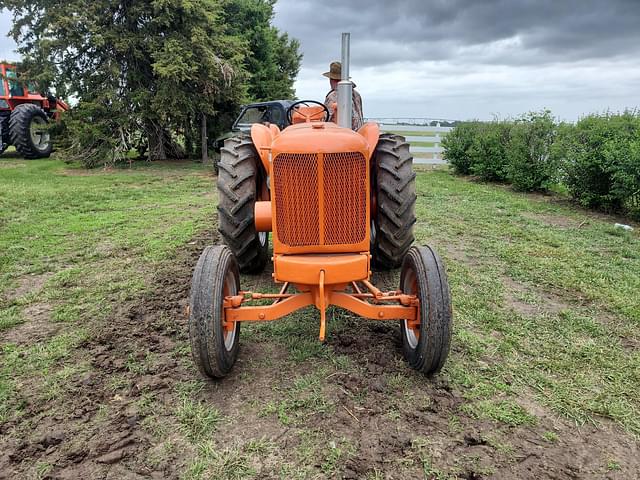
[28, 128]
[5, 138]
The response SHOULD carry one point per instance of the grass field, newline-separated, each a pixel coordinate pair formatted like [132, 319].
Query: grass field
[96, 379]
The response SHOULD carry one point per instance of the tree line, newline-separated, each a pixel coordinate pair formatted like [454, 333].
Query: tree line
[150, 74]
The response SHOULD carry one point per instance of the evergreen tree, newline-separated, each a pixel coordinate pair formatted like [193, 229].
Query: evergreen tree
[143, 72]
[274, 59]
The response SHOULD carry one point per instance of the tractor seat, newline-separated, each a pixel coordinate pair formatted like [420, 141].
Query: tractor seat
[316, 114]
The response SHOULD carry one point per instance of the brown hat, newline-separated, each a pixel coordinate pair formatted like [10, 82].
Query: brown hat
[335, 71]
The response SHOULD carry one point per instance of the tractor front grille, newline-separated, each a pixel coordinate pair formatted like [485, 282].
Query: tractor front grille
[296, 193]
[299, 188]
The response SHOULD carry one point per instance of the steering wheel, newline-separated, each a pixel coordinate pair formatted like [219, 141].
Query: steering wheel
[308, 118]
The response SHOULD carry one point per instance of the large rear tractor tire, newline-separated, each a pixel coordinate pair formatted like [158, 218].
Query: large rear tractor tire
[214, 345]
[395, 196]
[239, 180]
[28, 129]
[5, 139]
[426, 342]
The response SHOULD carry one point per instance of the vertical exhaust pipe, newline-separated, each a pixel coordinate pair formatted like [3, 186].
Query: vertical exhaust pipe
[345, 87]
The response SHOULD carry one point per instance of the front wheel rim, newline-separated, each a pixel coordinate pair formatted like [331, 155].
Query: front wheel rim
[229, 330]
[411, 329]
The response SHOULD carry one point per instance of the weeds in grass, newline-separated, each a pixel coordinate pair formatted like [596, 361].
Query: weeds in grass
[613, 465]
[454, 424]
[10, 317]
[302, 399]
[504, 411]
[198, 420]
[375, 474]
[117, 381]
[495, 441]
[422, 449]
[42, 470]
[337, 453]
[231, 463]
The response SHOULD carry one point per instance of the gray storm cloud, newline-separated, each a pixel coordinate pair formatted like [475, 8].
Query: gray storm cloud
[409, 30]
[474, 59]
[467, 59]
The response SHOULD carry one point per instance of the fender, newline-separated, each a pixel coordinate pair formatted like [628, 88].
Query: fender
[262, 137]
[371, 132]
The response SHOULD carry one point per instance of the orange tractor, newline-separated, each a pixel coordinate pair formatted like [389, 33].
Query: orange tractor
[338, 202]
[24, 115]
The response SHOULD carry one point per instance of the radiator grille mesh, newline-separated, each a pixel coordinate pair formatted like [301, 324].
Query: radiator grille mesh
[345, 201]
[296, 191]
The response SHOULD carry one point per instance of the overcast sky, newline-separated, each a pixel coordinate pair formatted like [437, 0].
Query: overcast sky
[6, 44]
[459, 59]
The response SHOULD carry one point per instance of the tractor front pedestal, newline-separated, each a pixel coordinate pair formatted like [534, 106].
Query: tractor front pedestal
[372, 303]
[322, 280]
[218, 306]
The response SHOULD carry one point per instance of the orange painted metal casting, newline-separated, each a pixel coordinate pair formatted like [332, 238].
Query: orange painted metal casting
[319, 211]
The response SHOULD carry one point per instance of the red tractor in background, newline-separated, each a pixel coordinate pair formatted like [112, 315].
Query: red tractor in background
[24, 115]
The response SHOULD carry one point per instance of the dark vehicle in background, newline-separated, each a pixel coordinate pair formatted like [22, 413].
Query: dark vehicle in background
[260, 112]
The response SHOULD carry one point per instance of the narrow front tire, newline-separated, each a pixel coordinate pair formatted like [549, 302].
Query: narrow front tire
[426, 343]
[214, 344]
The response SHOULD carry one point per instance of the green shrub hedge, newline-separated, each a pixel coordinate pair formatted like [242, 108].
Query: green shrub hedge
[530, 165]
[597, 159]
[457, 145]
[488, 152]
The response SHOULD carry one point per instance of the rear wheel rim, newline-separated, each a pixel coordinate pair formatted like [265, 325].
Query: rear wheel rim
[411, 328]
[38, 132]
[231, 328]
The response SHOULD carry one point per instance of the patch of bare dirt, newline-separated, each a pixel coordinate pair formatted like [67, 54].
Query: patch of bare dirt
[392, 420]
[588, 216]
[6, 163]
[28, 284]
[37, 326]
[461, 253]
[158, 170]
[530, 302]
[559, 221]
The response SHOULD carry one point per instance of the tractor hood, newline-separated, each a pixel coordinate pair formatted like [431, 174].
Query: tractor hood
[319, 137]
[313, 138]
